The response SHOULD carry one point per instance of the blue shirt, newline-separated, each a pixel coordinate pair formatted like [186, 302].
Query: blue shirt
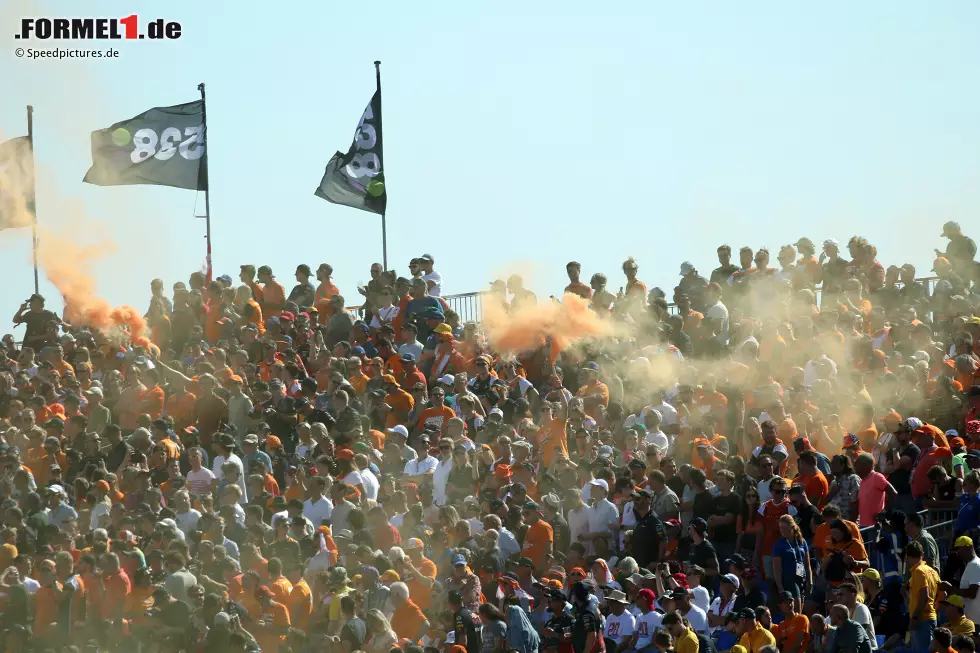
[792, 556]
[969, 514]
[258, 454]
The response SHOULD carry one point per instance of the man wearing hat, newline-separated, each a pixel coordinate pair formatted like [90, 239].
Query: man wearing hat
[303, 292]
[956, 621]
[647, 538]
[33, 314]
[754, 636]
[969, 580]
[465, 624]
[556, 636]
[793, 632]
[603, 519]
[620, 623]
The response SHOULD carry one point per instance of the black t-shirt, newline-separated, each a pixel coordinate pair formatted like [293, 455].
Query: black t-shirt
[560, 623]
[676, 484]
[469, 624]
[585, 622]
[730, 505]
[704, 555]
[889, 605]
[648, 533]
[34, 327]
[703, 505]
[175, 614]
[804, 517]
[752, 599]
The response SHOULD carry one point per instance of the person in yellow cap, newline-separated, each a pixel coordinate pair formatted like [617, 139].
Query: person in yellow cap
[956, 621]
[970, 579]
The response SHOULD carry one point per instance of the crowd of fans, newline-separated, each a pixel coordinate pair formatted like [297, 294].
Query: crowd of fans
[271, 470]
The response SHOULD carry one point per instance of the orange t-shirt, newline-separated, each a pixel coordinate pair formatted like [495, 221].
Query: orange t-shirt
[822, 541]
[420, 594]
[300, 605]
[788, 630]
[359, 382]
[538, 536]
[438, 416]
[815, 486]
[401, 404]
[325, 290]
[138, 601]
[272, 292]
[596, 388]
[45, 609]
[276, 616]
[281, 588]
[212, 330]
[155, 397]
[867, 437]
[256, 317]
[552, 438]
[407, 621]
[117, 588]
[271, 485]
[378, 440]
[63, 367]
[181, 408]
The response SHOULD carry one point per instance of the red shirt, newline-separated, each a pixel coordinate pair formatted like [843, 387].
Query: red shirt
[920, 474]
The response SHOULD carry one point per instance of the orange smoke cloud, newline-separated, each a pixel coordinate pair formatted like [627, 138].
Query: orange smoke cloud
[527, 327]
[67, 265]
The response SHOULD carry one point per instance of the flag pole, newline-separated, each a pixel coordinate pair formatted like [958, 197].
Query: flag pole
[30, 140]
[207, 181]
[384, 225]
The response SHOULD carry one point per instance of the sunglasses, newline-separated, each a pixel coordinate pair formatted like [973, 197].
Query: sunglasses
[779, 491]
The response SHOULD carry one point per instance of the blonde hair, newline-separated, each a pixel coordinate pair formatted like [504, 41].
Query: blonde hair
[797, 534]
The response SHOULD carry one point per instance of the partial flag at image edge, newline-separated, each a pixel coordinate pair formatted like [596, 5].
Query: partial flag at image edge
[16, 183]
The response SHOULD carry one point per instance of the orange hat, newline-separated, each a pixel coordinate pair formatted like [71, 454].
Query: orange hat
[388, 378]
[273, 441]
[345, 454]
[234, 378]
[892, 418]
[103, 487]
[502, 471]
[391, 576]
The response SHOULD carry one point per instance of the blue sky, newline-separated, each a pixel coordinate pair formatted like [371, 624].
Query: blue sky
[518, 136]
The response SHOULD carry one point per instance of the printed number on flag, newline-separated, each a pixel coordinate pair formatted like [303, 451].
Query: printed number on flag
[146, 143]
[365, 164]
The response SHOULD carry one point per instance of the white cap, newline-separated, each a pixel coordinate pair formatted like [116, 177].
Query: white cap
[496, 411]
[686, 268]
[94, 391]
[601, 483]
[733, 579]
[399, 430]
[57, 489]
[831, 242]
[920, 356]
[448, 379]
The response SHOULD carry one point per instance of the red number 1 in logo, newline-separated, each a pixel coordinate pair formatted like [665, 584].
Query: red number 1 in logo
[129, 22]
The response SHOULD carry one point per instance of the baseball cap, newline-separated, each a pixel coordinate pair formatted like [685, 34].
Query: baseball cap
[871, 574]
[700, 525]
[963, 540]
[416, 543]
[601, 483]
[399, 430]
[591, 366]
[731, 578]
[458, 559]
[785, 596]
[954, 600]
[686, 268]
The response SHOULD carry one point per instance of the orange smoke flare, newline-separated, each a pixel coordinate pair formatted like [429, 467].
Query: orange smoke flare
[526, 328]
[67, 265]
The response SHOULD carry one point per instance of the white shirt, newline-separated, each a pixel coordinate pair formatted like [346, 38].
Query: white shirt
[601, 515]
[421, 466]
[370, 483]
[701, 597]
[440, 481]
[317, 510]
[720, 610]
[698, 619]
[971, 576]
[436, 279]
[620, 628]
[507, 541]
[218, 474]
[187, 522]
[578, 522]
[658, 439]
[30, 584]
[384, 315]
[199, 482]
[628, 520]
[719, 312]
[100, 516]
[353, 478]
[862, 615]
[646, 625]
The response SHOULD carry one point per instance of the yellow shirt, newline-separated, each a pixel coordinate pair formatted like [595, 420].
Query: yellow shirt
[923, 576]
[756, 639]
[961, 626]
[686, 643]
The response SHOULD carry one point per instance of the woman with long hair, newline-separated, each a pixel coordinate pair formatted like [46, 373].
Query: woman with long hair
[791, 561]
[380, 637]
[749, 524]
[494, 629]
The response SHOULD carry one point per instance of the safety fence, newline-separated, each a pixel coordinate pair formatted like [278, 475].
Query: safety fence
[937, 522]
